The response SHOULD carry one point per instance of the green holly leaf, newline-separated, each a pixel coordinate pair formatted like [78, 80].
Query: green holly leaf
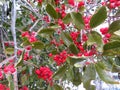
[77, 20]
[37, 45]
[51, 11]
[73, 48]
[46, 31]
[57, 87]
[67, 19]
[77, 76]
[60, 72]
[66, 38]
[114, 26]
[89, 74]
[103, 74]
[95, 38]
[112, 48]
[99, 17]
[75, 59]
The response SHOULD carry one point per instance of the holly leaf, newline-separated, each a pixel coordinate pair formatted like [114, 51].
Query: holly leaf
[89, 74]
[99, 17]
[75, 59]
[103, 74]
[77, 76]
[95, 38]
[114, 26]
[77, 20]
[57, 87]
[37, 45]
[73, 48]
[60, 72]
[67, 19]
[112, 48]
[46, 31]
[66, 38]
[51, 11]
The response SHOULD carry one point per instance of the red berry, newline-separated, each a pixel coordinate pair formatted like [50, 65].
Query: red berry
[71, 2]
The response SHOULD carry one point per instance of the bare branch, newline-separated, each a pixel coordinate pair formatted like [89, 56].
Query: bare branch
[34, 25]
[13, 23]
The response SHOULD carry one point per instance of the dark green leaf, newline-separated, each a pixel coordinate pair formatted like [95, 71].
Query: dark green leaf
[46, 31]
[25, 42]
[103, 74]
[75, 59]
[77, 20]
[95, 38]
[57, 87]
[67, 19]
[98, 17]
[112, 48]
[115, 68]
[60, 72]
[77, 76]
[66, 38]
[38, 45]
[89, 75]
[114, 26]
[117, 60]
[51, 11]
[73, 48]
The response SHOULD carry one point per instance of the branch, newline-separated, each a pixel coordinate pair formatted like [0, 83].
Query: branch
[13, 22]
[34, 24]
[30, 64]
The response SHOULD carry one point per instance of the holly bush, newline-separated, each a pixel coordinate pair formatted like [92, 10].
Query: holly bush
[48, 44]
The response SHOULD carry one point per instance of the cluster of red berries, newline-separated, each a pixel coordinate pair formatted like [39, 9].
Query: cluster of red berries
[4, 87]
[61, 10]
[87, 22]
[74, 36]
[114, 3]
[24, 88]
[107, 35]
[44, 73]
[60, 58]
[30, 36]
[26, 54]
[9, 69]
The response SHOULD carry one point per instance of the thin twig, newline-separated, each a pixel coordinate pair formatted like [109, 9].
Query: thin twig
[3, 44]
[31, 64]
[34, 25]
